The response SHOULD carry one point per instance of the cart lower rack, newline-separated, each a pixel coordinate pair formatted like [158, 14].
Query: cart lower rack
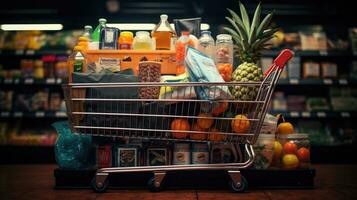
[145, 111]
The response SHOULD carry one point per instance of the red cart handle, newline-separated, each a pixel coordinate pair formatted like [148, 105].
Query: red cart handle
[280, 61]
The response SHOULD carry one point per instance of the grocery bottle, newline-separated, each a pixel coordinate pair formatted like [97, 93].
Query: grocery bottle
[206, 44]
[163, 34]
[181, 45]
[76, 62]
[88, 32]
[125, 40]
[83, 42]
[142, 41]
[96, 34]
[109, 38]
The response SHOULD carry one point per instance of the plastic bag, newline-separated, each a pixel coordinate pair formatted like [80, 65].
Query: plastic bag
[72, 151]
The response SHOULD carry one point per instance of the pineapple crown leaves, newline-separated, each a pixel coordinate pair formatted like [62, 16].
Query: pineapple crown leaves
[250, 37]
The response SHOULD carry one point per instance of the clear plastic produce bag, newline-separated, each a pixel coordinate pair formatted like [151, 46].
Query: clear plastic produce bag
[72, 151]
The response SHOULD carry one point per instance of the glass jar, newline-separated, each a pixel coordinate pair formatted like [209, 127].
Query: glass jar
[125, 40]
[224, 49]
[264, 150]
[181, 154]
[294, 150]
[142, 41]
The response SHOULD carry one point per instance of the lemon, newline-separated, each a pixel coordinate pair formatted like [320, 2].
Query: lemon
[277, 149]
[290, 161]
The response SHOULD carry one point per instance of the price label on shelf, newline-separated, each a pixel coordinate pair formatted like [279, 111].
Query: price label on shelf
[305, 114]
[5, 114]
[321, 114]
[28, 81]
[18, 114]
[327, 81]
[40, 114]
[294, 81]
[50, 81]
[8, 81]
[345, 114]
[16, 81]
[294, 114]
[60, 114]
[323, 52]
[355, 53]
[30, 52]
[59, 81]
[19, 52]
[342, 81]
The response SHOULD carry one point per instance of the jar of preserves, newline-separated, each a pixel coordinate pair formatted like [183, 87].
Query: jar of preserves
[142, 41]
[224, 49]
[294, 151]
[125, 40]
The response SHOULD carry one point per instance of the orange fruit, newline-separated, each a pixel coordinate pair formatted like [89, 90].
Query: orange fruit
[290, 148]
[182, 125]
[220, 108]
[240, 124]
[290, 161]
[215, 135]
[203, 122]
[225, 70]
[303, 154]
[198, 136]
[284, 127]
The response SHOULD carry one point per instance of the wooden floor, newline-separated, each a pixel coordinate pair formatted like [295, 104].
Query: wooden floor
[36, 182]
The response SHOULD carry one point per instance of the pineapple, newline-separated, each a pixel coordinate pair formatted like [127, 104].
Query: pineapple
[250, 39]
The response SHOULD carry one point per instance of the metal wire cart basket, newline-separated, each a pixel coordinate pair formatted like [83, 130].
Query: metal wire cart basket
[119, 110]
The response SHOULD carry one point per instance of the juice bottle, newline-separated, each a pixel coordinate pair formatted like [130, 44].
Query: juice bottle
[164, 35]
[181, 45]
[76, 62]
[96, 34]
[88, 32]
[125, 40]
[83, 42]
[142, 41]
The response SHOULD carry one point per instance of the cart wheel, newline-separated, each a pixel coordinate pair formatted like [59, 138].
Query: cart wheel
[153, 187]
[101, 189]
[241, 188]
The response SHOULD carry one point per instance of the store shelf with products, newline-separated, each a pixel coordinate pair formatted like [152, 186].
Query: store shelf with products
[314, 53]
[318, 82]
[317, 114]
[31, 52]
[32, 81]
[36, 114]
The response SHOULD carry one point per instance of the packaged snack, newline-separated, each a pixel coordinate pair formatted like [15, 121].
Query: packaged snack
[23, 102]
[40, 101]
[200, 153]
[39, 71]
[181, 154]
[26, 68]
[294, 68]
[224, 153]
[126, 156]
[104, 156]
[317, 104]
[55, 101]
[6, 100]
[192, 25]
[156, 156]
[171, 92]
[203, 69]
[149, 72]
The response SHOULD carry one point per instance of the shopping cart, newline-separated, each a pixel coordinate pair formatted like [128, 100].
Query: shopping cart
[116, 110]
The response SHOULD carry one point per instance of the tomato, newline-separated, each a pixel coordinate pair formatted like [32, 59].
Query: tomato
[182, 125]
[290, 161]
[303, 154]
[204, 122]
[220, 108]
[198, 136]
[290, 148]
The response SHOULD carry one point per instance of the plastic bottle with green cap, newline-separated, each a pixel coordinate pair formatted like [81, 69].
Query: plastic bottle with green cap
[96, 33]
[76, 61]
[88, 32]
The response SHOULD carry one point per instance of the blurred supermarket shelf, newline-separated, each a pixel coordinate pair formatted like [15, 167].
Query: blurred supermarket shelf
[37, 114]
[30, 52]
[31, 81]
[326, 81]
[312, 53]
[317, 114]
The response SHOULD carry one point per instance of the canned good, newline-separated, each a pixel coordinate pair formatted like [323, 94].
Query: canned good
[200, 153]
[181, 154]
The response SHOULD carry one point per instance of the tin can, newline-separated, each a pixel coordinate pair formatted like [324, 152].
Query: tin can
[181, 154]
[200, 153]
[104, 156]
